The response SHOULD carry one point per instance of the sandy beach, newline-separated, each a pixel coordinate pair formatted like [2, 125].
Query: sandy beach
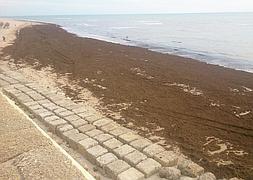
[204, 110]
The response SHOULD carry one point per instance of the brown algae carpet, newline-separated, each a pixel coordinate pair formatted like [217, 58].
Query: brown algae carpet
[206, 110]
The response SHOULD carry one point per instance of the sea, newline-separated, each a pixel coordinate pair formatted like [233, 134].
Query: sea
[224, 39]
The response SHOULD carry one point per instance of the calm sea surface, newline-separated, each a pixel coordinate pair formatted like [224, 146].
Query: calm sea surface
[225, 39]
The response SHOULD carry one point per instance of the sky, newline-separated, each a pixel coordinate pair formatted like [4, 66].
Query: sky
[79, 7]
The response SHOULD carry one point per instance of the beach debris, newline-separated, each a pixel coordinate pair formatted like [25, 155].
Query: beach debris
[246, 89]
[155, 138]
[234, 90]
[214, 104]
[92, 82]
[221, 162]
[240, 114]
[244, 113]
[237, 107]
[141, 73]
[6, 25]
[158, 128]
[186, 88]
[213, 141]
[221, 146]
[99, 72]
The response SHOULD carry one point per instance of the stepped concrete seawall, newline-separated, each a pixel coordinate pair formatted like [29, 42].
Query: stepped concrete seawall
[116, 152]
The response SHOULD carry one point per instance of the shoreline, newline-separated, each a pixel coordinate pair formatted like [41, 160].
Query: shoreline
[188, 55]
[208, 58]
[141, 73]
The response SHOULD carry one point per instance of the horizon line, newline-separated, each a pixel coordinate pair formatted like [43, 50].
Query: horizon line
[91, 14]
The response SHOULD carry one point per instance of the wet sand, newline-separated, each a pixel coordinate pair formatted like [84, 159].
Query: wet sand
[205, 110]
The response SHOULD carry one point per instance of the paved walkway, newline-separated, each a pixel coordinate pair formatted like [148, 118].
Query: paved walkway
[118, 152]
[25, 153]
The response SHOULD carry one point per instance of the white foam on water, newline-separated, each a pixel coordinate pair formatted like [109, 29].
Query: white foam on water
[223, 39]
[124, 27]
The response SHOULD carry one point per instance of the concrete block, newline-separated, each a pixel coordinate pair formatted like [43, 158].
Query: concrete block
[116, 167]
[65, 113]
[93, 132]
[51, 118]
[24, 89]
[86, 127]
[106, 159]
[190, 178]
[64, 128]
[134, 158]
[71, 118]
[47, 120]
[63, 102]
[131, 174]
[129, 137]
[122, 151]
[93, 118]
[37, 111]
[12, 81]
[70, 105]
[207, 176]
[79, 110]
[11, 91]
[152, 150]
[112, 144]
[140, 144]
[44, 101]
[66, 135]
[103, 137]
[109, 127]
[73, 106]
[149, 167]
[32, 85]
[24, 98]
[35, 107]
[42, 115]
[94, 152]
[189, 168]
[18, 85]
[74, 139]
[85, 144]
[85, 114]
[167, 158]
[36, 96]
[171, 173]
[72, 132]
[78, 123]
[59, 110]
[102, 122]
[33, 103]
[44, 91]
[54, 124]
[119, 131]
[50, 106]
[4, 83]
[55, 97]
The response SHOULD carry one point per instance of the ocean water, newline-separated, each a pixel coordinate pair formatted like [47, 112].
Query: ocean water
[224, 39]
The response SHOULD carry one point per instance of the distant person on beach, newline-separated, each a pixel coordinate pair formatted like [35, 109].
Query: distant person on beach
[3, 39]
[1, 24]
[6, 25]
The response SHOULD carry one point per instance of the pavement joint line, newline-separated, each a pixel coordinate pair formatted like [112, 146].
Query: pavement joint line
[85, 173]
